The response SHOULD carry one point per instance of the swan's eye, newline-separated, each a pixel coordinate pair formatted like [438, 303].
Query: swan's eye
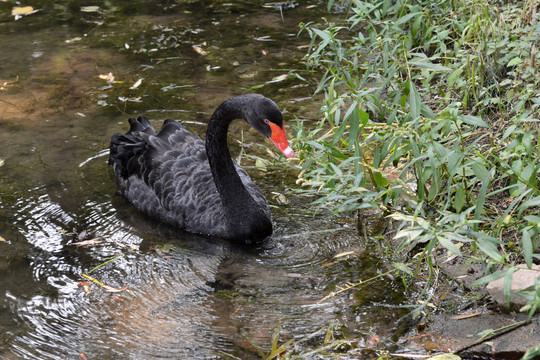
[266, 121]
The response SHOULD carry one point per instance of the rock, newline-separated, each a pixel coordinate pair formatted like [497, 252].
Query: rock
[463, 336]
[522, 279]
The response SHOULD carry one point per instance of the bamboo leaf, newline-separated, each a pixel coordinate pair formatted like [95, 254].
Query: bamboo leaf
[473, 120]
[489, 278]
[482, 197]
[406, 18]
[414, 100]
[527, 246]
[429, 66]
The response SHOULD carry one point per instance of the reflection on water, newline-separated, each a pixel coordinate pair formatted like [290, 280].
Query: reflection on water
[186, 297]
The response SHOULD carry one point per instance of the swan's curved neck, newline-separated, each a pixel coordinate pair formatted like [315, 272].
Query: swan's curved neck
[241, 210]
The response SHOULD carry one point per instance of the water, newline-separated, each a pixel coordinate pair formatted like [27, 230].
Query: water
[182, 296]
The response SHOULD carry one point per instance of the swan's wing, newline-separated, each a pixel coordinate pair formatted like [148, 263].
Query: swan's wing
[167, 176]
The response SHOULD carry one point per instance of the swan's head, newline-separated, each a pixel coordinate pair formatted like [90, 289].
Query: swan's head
[264, 115]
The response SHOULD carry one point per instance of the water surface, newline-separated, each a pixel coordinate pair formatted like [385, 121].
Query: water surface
[183, 296]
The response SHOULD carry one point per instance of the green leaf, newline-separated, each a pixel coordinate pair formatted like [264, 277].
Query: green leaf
[260, 164]
[380, 180]
[489, 278]
[448, 244]
[429, 66]
[454, 76]
[507, 285]
[489, 248]
[403, 268]
[479, 170]
[473, 120]
[406, 18]
[514, 61]
[482, 198]
[415, 101]
[459, 199]
[526, 244]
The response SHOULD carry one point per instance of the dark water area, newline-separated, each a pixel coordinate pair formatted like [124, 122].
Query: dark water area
[187, 297]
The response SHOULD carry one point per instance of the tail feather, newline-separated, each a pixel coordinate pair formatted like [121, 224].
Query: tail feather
[125, 149]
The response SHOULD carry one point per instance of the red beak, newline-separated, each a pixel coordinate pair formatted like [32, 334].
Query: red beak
[280, 140]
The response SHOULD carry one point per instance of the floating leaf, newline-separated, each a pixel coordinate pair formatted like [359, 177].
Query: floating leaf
[109, 77]
[260, 164]
[346, 253]
[88, 242]
[89, 8]
[199, 50]
[20, 11]
[278, 79]
[69, 41]
[137, 83]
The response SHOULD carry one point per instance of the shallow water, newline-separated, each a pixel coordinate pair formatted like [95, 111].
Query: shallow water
[186, 296]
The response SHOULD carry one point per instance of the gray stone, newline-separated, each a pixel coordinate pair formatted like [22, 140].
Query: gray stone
[522, 279]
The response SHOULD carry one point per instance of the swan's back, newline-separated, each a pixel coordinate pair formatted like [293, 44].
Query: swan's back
[167, 176]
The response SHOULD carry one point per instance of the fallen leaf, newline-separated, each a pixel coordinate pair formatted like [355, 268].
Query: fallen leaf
[372, 341]
[2, 162]
[199, 50]
[82, 235]
[125, 99]
[89, 8]
[69, 41]
[2, 239]
[278, 79]
[113, 289]
[20, 11]
[137, 83]
[264, 52]
[109, 77]
[461, 317]
[83, 356]
[116, 298]
[94, 241]
[344, 254]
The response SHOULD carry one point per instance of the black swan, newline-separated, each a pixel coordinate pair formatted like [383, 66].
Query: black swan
[177, 178]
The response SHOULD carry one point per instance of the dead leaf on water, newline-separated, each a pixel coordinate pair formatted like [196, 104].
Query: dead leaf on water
[109, 77]
[278, 79]
[88, 242]
[69, 41]
[137, 84]
[199, 50]
[89, 8]
[20, 11]
[113, 289]
[343, 254]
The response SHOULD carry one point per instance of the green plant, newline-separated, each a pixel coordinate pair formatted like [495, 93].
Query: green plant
[430, 114]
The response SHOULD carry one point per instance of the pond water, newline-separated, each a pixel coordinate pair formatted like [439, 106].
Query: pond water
[183, 296]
